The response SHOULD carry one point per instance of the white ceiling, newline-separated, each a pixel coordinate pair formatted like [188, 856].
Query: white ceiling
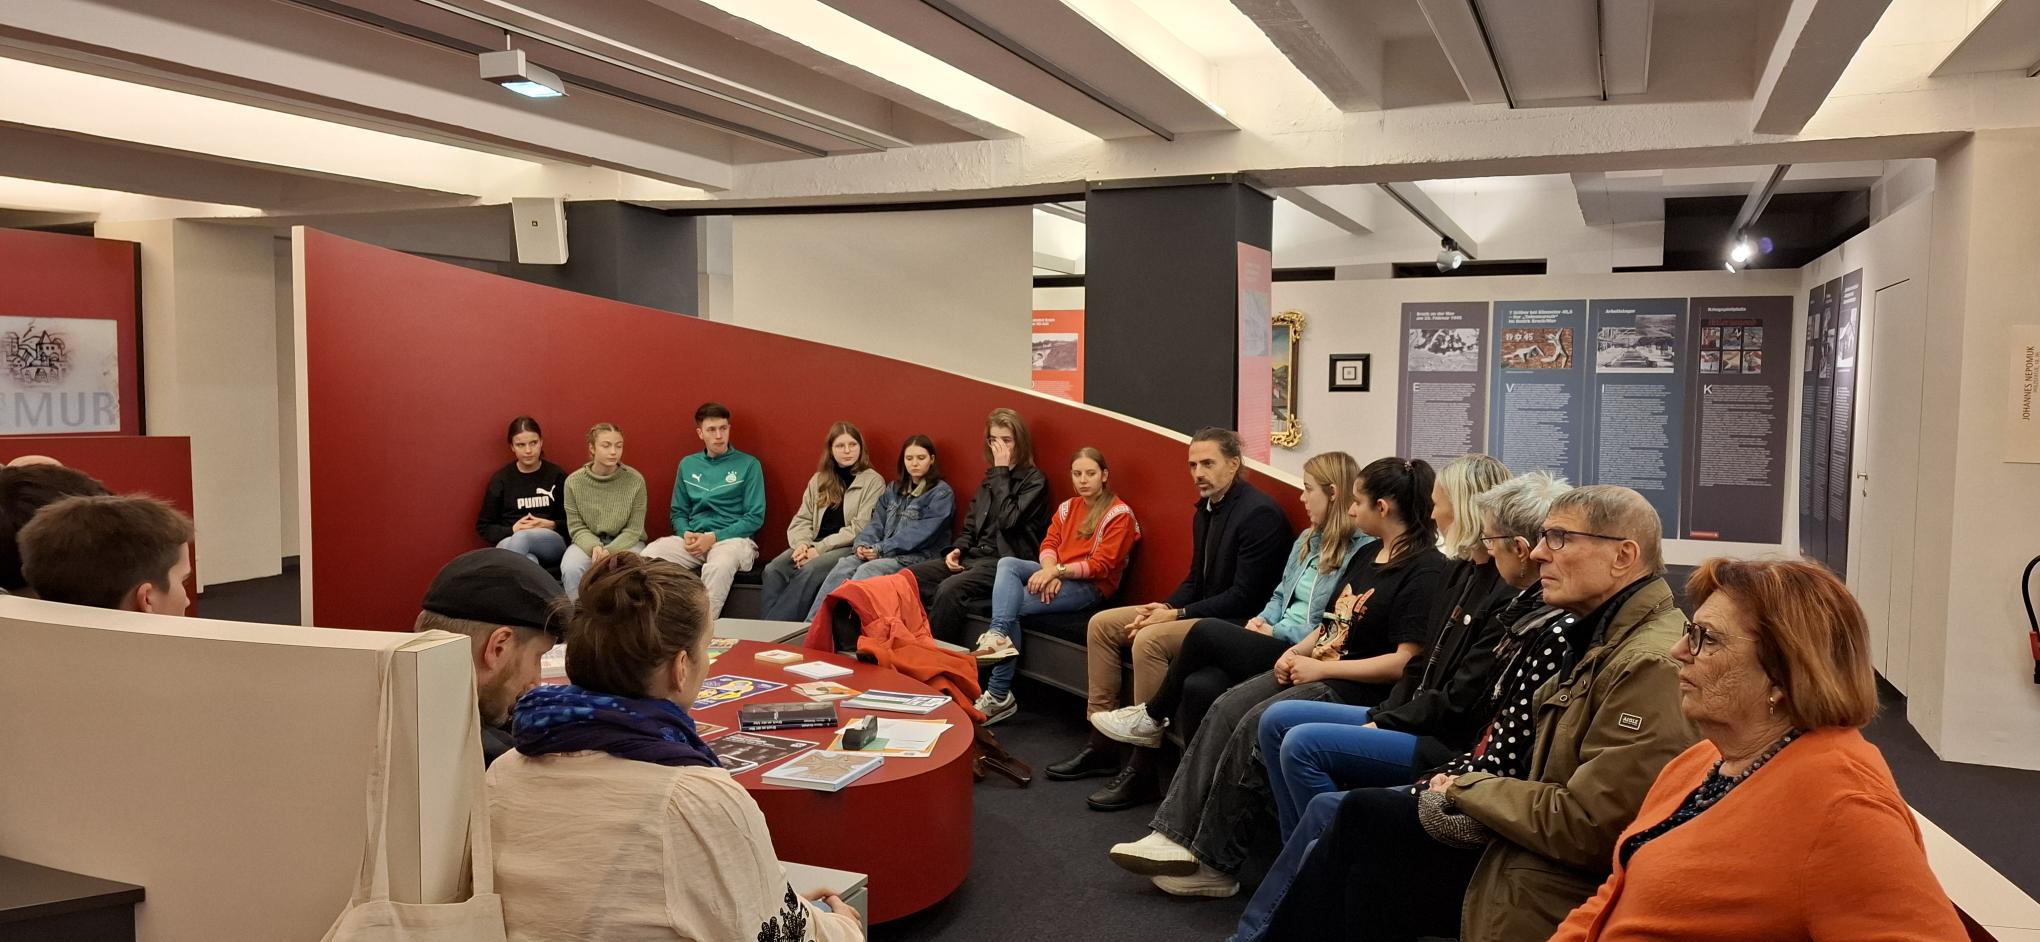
[293, 106]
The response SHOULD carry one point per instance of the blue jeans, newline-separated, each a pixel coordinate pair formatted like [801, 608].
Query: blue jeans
[1317, 816]
[574, 564]
[538, 544]
[849, 568]
[1011, 602]
[1313, 748]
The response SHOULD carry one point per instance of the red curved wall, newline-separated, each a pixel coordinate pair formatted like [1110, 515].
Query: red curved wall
[414, 368]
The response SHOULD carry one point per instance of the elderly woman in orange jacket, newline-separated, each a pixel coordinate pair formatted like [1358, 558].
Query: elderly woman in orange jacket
[1783, 822]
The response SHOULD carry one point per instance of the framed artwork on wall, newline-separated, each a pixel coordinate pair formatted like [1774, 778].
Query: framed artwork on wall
[1287, 334]
[1351, 372]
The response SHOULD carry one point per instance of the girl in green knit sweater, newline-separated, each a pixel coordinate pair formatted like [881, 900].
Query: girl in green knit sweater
[605, 508]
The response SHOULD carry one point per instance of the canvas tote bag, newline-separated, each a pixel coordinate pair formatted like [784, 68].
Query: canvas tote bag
[371, 916]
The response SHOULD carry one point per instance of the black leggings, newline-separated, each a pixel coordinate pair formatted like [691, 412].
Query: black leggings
[1216, 654]
[1375, 876]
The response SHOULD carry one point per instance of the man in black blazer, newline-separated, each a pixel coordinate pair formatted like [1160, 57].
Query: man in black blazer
[1239, 537]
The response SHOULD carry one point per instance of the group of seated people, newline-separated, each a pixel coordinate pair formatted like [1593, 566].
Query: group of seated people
[1460, 704]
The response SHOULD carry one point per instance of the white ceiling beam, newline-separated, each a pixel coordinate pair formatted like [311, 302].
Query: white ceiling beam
[1459, 33]
[1818, 40]
[1625, 46]
[1048, 55]
[1330, 42]
[2007, 38]
[1420, 204]
[365, 74]
[1591, 189]
[1351, 208]
[104, 164]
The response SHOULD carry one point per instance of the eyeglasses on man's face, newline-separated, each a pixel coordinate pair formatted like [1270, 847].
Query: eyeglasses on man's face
[1557, 537]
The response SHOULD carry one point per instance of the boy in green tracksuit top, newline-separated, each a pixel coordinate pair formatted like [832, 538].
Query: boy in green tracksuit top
[718, 507]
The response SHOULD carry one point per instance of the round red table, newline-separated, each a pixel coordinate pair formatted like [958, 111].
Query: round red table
[906, 824]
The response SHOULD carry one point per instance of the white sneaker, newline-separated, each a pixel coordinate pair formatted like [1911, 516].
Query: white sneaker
[996, 709]
[993, 646]
[1154, 856]
[1205, 882]
[1131, 725]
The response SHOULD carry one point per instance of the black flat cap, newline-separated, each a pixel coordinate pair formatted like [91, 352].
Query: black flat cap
[499, 587]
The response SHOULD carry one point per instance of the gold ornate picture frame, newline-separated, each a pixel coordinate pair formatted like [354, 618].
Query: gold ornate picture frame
[1287, 328]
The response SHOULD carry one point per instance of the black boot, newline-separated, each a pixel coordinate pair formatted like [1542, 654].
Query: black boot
[1100, 756]
[1134, 786]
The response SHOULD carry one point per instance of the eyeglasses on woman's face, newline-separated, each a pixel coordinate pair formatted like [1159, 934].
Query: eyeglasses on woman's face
[1557, 537]
[1699, 637]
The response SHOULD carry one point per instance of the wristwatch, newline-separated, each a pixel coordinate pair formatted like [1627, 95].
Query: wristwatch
[1061, 570]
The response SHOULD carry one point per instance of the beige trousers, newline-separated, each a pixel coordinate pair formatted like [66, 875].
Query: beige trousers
[1154, 646]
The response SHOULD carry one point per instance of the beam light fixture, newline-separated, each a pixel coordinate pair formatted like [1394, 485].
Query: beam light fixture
[510, 69]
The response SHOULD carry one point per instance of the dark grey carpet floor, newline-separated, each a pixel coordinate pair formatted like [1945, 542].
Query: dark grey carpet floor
[1039, 868]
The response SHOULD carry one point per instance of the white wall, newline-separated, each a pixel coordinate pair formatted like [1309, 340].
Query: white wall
[286, 402]
[209, 371]
[1365, 316]
[1974, 698]
[949, 289]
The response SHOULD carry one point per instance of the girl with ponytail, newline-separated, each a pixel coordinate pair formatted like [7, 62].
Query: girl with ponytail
[1082, 557]
[1378, 622]
[618, 747]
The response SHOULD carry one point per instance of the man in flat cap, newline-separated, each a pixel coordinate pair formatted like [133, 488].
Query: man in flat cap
[514, 612]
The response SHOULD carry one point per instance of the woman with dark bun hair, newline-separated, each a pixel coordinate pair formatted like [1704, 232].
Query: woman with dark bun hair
[657, 841]
[525, 508]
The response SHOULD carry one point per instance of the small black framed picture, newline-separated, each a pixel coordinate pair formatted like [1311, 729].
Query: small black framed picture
[1351, 372]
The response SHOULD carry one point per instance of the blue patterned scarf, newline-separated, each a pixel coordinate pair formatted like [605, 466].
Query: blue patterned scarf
[566, 718]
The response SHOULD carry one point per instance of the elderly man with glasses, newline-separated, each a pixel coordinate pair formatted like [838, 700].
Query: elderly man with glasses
[1486, 856]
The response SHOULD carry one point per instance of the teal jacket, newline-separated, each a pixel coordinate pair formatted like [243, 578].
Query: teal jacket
[1302, 555]
[724, 496]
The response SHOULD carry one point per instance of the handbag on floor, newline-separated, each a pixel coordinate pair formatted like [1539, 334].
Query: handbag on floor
[371, 916]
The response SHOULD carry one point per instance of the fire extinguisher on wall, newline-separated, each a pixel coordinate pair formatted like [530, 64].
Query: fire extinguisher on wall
[2033, 623]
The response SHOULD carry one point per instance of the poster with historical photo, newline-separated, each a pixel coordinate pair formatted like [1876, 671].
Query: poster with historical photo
[1648, 344]
[1444, 349]
[1812, 488]
[1736, 423]
[1847, 292]
[1539, 403]
[1059, 354]
[1443, 411]
[1639, 402]
[62, 375]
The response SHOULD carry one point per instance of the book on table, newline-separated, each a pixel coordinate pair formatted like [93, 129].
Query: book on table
[725, 688]
[824, 771]
[825, 690]
[790, 715]
[818, 670]
[919, 704]
[742, 752]
[905, 739]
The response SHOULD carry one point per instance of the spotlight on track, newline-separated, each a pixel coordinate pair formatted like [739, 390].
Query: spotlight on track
[1449, 255]
[510, 69]
[1740, 253]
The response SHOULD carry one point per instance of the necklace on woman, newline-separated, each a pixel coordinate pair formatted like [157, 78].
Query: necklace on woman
[1710, 793]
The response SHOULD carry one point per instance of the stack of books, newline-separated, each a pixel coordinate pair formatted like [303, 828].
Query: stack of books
[824, 771]
[802, 715]
[918, 704]
[818, 670]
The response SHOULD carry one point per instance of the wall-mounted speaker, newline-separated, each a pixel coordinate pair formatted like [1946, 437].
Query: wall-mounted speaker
[541, 225]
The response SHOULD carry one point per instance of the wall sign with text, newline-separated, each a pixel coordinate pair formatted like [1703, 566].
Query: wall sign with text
[60, 375]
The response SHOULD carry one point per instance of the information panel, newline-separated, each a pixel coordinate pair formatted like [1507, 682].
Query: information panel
[1639, 403]
[1539, 398]
[1444, 381]
[1840, 444]
[1809, 394]
[1736, 431]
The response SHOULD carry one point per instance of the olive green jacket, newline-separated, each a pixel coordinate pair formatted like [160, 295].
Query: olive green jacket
[1601, 740]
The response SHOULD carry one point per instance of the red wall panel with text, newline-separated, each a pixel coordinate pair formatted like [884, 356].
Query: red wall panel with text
[45, 274]
[414, 368]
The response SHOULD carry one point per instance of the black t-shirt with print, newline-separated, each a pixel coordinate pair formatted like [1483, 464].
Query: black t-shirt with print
[1395, 609]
